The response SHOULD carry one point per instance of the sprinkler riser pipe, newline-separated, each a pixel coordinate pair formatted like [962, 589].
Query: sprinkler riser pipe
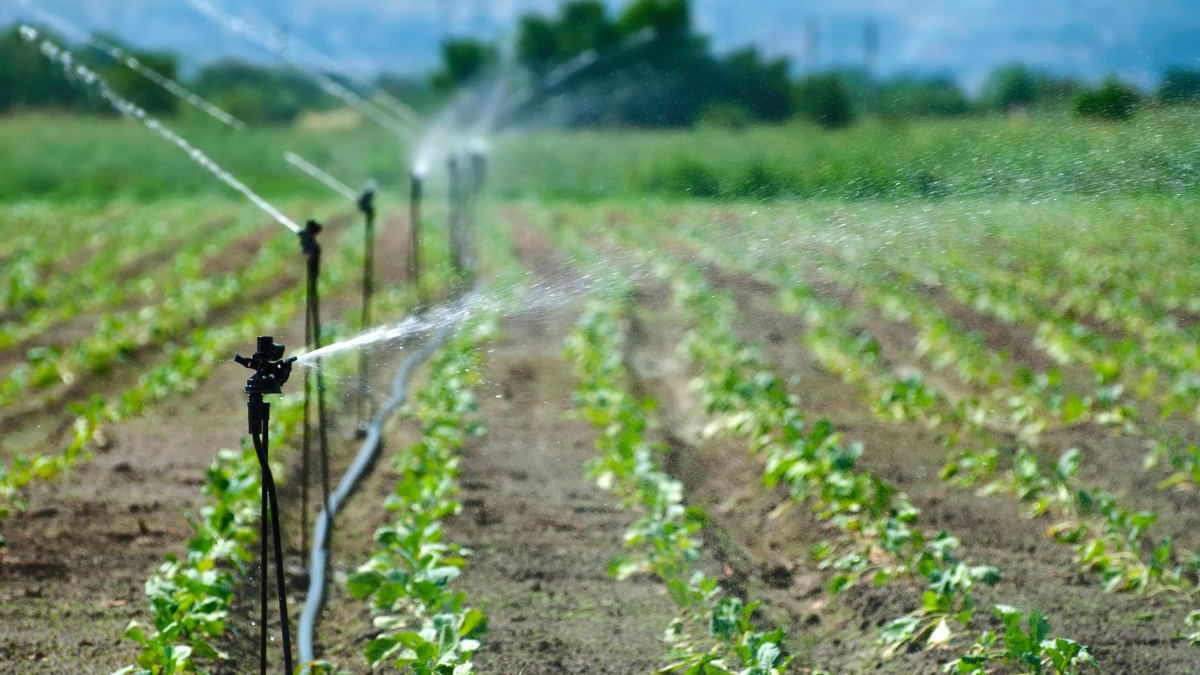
[271, 372]
[414, 235]
[312, 252]
[367, 206]
[455, 215]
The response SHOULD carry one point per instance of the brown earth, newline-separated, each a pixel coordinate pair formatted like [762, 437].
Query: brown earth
[1129, 634]
[73, 572]
[541, 536]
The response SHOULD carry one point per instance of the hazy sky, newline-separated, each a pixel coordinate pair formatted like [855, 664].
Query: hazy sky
[963, 37]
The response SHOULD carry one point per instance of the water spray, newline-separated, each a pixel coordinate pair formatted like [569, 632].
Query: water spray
[312, 342]
[77, 71]
[567, 73]
[271, 372]
[283, 49]
[120, 56]
[312, 170]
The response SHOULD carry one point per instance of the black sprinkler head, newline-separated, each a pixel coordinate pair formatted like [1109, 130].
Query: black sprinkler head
[366, 202]
[270, 371]
[308, 237]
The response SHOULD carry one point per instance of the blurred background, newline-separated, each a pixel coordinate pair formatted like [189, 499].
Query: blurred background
[644, 65]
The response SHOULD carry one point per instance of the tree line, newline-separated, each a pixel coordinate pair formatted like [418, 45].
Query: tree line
[645, 66]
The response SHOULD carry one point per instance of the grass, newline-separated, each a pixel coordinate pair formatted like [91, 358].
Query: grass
[64, 157]
[975, 156]
[71, 157]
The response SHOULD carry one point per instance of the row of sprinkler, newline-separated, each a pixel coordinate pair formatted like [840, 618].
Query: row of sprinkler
[467, 172]
[271, 371]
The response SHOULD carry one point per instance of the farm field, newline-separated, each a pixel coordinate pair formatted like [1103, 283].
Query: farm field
[735, 422]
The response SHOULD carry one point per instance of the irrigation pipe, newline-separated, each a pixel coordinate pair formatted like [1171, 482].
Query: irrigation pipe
[349, 483]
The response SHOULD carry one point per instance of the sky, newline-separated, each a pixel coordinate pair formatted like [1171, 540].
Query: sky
[963, 38]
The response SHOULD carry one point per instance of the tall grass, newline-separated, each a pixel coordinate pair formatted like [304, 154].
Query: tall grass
[74, 157]
[1156, 154]
[1036, 156]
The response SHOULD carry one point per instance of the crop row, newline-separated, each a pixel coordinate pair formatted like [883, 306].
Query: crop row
[1111, 545]
[427, 629]
[186, 368]
[190, 596]
[190, 300]
[177, 640]
[877, 523]
[1110, 539]
[714, 633]
[53, 253]
[105, 283]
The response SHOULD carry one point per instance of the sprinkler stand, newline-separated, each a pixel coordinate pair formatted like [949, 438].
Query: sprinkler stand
[312, 323]
[478, 174]
[271, 372]
[454, 170]
[414, 232]
[366, 204]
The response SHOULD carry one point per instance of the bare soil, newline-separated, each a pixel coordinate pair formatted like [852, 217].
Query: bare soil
[541, 536]
[1128, 634]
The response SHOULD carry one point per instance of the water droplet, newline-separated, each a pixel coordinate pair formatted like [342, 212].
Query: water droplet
[29, 33]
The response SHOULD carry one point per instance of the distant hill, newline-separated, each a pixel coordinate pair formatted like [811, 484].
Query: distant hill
[1136, 38]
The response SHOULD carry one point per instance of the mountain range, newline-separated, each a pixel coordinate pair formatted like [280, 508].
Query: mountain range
[962, 38]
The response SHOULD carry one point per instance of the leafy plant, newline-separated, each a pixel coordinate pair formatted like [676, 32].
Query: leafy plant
[1029, 651]
[714, 634]
[427, 628]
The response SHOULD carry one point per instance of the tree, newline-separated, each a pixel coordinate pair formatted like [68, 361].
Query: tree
[584, 25]
[29, 80]
[1179, 85]
[537, 43]
[1011, 87]
[462, 61]
[669, 18]
[132, 85]
[258, 94]
[908, 97]
[826, 100]
[1112, 100]
[763, 88]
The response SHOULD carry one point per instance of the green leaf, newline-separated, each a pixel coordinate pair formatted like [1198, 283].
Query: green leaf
[471, 620]
[941, 634]
[899, 631]
[725, 618]
[134, 632]
[1039, 628]
[381, 648]
[767, 655]
[363, 584]
[840, 583]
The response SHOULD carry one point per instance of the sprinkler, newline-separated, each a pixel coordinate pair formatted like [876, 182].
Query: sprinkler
[366, 204]
[478, 173]
[271, 372]
[312, 340]
[461, 200]
[414, 231]
[455, 216]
